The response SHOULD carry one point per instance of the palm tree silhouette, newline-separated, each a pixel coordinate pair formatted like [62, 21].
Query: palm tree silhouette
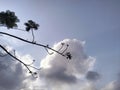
[8, 19]
[31, 25]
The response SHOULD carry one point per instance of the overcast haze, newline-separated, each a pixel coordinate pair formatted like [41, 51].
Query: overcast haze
[95, 22]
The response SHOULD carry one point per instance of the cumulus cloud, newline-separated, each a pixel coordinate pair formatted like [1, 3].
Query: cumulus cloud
[58, 72]
[11, 74]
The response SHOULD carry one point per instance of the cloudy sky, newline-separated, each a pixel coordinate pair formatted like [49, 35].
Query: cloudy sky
[90, 27]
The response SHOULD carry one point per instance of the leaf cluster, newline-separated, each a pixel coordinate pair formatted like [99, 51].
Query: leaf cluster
[8, 19]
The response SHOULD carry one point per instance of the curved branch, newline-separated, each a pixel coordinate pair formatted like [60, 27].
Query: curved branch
[26, 65]
[16, 58]
[48, 51]
[61, 46]
[37, 44]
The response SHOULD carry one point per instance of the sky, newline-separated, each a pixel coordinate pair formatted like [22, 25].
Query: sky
[95, 22]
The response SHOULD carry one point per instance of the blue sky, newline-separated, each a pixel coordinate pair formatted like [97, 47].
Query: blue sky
[95, 21]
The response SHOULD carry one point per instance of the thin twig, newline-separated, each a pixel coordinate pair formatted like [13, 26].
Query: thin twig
[65, 49]
[33, 34]
[61, 46]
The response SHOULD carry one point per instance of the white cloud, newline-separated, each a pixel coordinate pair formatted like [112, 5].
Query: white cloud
[58, 72]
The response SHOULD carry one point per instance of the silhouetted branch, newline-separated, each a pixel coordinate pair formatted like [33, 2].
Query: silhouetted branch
[41, 45]
[3, 54]
[14, 57]
[27, 66]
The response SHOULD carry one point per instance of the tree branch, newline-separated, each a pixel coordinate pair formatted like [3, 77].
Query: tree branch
[17, 59]
[34, 43]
